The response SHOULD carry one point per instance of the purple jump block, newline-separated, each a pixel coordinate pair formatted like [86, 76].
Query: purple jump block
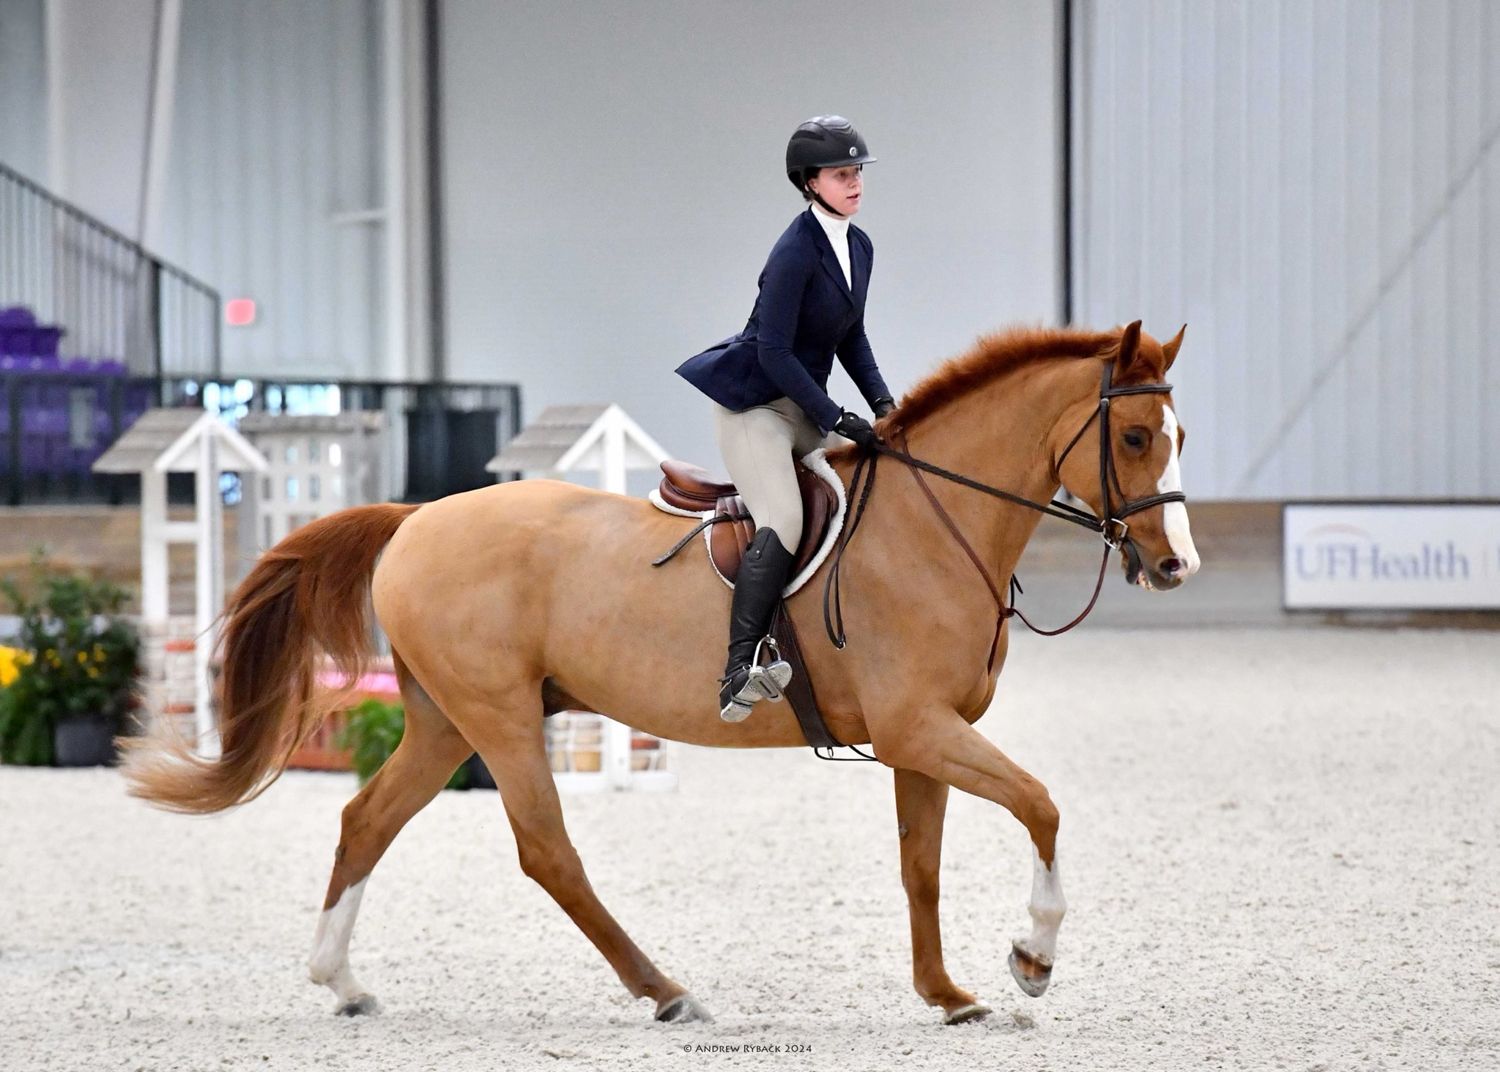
[31, 342]
[45, 341]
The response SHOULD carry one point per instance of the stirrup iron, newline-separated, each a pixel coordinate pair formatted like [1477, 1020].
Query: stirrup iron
[762, 682]
[771, 678]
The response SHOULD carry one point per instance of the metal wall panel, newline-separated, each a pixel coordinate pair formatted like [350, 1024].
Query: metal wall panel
[1315, 189]
[613, 182]
[275, 157]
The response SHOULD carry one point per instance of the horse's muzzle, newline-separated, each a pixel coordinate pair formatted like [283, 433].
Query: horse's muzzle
[1163, 575]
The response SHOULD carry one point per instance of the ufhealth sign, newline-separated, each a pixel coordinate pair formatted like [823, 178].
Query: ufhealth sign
[1391, 556]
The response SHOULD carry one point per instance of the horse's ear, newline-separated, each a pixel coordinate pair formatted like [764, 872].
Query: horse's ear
[1171, 346]
[1130, 350]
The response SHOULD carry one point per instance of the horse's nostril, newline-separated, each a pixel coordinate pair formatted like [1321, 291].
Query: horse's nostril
[1169, 567]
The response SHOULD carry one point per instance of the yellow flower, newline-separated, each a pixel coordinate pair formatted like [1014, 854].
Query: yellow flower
[11, 661]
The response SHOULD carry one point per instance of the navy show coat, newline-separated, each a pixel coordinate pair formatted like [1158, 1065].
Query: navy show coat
[803, 316]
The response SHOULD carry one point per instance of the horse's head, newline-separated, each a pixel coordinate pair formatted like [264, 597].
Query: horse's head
[1137, 462]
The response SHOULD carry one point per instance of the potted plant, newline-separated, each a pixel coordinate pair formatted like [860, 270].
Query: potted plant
[372, 731]
[21, 740]
[71, 694]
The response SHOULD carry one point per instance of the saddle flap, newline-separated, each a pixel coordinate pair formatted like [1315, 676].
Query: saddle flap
[728, 541]
[726, 528]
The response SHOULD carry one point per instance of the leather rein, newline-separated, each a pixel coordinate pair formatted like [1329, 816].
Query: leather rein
[1111, 527]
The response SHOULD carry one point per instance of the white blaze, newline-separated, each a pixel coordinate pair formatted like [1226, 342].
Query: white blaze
[1175, 515]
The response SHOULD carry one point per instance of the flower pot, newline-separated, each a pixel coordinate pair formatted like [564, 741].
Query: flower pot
[83, 741]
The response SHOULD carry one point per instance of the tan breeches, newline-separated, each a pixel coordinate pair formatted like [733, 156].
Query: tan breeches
[759, 445]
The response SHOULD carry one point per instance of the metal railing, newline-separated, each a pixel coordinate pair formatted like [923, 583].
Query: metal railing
[53, 425]
[138, 332]
[439, 436]
[113, 299]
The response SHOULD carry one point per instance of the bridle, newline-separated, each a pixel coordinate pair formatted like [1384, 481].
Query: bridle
[1109, 479]
[1111, 527]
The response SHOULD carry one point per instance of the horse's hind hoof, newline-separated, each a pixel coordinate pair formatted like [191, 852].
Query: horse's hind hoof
[683, 1010]
[364, 1005]
[1032, 975]
[965, 1013]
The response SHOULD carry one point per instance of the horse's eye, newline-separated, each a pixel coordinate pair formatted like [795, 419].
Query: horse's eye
[1135, 440]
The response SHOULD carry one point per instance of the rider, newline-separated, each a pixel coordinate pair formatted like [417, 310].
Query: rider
[769, 384]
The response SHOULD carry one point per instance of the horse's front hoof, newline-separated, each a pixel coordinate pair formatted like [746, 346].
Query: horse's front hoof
[683, 1009]
[1031, 974]
[965, 1013]
[363, 1005]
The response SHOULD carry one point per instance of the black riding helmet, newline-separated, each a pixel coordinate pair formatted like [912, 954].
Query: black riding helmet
[823, 141]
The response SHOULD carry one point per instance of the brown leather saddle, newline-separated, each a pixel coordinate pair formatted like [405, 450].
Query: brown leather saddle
[690, 487]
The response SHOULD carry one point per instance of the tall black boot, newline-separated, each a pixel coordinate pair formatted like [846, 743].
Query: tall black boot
[757, 588]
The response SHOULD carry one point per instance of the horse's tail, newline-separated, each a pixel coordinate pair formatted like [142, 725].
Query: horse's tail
[309, 593]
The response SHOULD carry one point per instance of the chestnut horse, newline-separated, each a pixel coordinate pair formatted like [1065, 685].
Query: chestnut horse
[506, 604]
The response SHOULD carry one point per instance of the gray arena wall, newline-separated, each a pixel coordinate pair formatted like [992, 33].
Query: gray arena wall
[1313, 188]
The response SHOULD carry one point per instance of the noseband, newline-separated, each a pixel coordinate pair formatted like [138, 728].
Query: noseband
[1111, 527]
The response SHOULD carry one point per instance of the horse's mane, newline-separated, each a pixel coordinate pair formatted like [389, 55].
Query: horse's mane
[992, 356]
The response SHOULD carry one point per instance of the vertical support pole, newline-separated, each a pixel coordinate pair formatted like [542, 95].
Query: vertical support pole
[148, 333]
[154, 609]
[208, 562]
[59, 66]
[1064, 105]
[617, 754]
[13, 402]
[161, 105]
[612, 476]
[393, 222]
[613, 462]
[155, 594]
[432, 219]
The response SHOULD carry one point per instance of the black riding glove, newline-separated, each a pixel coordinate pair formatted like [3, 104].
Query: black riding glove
[882, 406]
[853, 426]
